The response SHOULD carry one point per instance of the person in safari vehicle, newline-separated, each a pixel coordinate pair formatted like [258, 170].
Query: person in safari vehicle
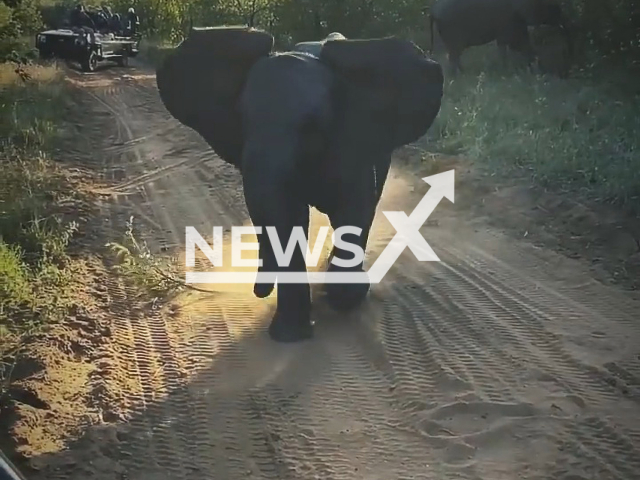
[80, 19]
[132, 24]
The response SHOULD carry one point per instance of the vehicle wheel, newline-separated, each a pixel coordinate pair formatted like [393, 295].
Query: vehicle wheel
[90, 62]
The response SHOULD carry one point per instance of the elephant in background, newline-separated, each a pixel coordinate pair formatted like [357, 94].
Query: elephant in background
[467, 23]
[303, 131]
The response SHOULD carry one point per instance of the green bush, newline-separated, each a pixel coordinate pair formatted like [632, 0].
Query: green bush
[610, 28]
[570, 134]
[34, 265]
[16, 24]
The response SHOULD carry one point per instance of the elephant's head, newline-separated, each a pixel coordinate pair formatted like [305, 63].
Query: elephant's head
[201, 80]
[398, 88]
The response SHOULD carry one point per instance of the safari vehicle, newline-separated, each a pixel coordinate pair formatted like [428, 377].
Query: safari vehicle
[86, 48]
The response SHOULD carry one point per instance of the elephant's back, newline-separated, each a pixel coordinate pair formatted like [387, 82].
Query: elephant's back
[312, 48]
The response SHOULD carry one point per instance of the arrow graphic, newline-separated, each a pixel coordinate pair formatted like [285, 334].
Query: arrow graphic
[407, 227]
[407, 235]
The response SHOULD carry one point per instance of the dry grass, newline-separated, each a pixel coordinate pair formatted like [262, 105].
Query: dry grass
[42, 75]
[35, 271]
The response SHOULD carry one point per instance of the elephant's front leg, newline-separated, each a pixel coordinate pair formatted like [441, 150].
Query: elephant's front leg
[359, 214]
[292, 320]
[271, 207]
[361, 192]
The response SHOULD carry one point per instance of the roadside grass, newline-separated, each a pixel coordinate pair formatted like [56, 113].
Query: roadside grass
[35, 269]
[54, 286]
[152, 276]
[578, 134]
[38, 272]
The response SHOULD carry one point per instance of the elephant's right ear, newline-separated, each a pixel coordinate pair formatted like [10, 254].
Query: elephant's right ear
[398, 85]
[201, 80]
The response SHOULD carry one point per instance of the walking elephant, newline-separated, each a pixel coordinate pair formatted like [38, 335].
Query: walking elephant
[303, 131]
[467, 23]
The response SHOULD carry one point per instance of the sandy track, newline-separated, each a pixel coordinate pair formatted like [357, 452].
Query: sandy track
[499, 362]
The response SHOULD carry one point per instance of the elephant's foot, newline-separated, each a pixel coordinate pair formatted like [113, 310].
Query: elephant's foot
[346, 296]
[290, 327]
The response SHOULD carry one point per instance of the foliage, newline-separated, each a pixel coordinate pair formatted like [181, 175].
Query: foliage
[572, 134]
[610, 28]
[16, 22]
[153, 276]
[35, 271]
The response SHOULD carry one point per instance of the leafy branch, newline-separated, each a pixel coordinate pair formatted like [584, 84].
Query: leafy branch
[155, 276]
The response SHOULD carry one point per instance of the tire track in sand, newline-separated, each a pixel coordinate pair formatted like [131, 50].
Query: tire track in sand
[173, 201]
[462, 369]
[339, 388]
[509, 318]
[159, 373]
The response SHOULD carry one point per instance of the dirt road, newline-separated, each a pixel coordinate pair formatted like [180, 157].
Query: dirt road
[502, 361]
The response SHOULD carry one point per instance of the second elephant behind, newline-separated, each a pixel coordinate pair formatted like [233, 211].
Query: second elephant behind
[468, 23]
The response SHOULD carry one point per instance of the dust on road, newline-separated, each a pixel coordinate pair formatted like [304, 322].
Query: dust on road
[501, 361]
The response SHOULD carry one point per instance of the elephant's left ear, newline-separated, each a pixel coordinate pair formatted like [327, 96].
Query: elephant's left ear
[201, 80]
[401, 83]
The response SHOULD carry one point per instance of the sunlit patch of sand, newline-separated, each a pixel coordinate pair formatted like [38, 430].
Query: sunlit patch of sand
[126, 76]
[105, 78]
[92, 82]
[243, 313]
[397, 196]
